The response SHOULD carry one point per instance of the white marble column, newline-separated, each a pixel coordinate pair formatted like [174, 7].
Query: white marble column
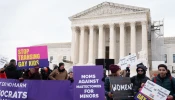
[74, 46]
[86, 46]
[112, 44]
[133, 37]
[91, 45]
[101, 48]
[82, 48]
[122, 39]
[145, 37]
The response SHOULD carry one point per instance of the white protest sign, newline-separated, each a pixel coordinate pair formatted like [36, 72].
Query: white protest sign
[128, 60]
[155, 91]
[3, 61]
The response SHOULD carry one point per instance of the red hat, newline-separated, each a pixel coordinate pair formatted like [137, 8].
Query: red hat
[114, 68]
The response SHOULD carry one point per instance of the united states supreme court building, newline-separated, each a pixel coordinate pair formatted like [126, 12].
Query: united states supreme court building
[109, 30]
[112, 31]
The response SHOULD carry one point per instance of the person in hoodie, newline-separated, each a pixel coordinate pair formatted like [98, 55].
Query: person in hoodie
[70, 77]
[115, 70]
[59, 74]
[32, 74]
[12, 72]
[140, 78]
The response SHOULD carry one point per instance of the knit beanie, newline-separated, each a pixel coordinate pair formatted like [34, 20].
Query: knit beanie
[70, 70]
[61, 64]
[141, 66]
[114, 68]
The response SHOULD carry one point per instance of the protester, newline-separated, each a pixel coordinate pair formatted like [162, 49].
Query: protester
[55, 66]
[45, 72]
[165, 80]
[140, 78]
[2, 73]
[32, 74]
[126, 72]
[70, 77]
[12, 72]
[115, 72]
[59, 74]
[104, 75]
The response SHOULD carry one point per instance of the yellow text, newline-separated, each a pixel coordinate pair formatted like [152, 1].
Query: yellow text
[141, 97]
[22, 63]
[29, 57]
[23, 51]
[33, 62]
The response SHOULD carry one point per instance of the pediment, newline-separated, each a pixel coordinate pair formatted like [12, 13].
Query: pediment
[108, 8]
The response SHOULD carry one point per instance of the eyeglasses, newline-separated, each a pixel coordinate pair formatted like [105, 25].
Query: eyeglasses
[140, 70]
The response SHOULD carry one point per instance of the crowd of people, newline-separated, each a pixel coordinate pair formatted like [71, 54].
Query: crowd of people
[164, 78]
[10, 71]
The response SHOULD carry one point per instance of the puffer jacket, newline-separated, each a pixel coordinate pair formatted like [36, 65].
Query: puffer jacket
[137, 81]
[167, 83]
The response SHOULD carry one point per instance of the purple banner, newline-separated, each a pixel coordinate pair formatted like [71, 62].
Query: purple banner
[35, 90]
[140, 96]
[13, 90]
[88, 83]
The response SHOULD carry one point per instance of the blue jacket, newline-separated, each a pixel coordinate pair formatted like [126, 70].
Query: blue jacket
[107, 88]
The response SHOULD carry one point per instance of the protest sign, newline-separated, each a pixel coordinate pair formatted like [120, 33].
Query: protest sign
[35, 90]
[155, 91]
[128, 60]
[88, 83]
[121, 88]
[13, 90]
[28, 57]
[140, 96]
[3, 61]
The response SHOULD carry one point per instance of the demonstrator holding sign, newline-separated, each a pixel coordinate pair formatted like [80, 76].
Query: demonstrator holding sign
[165, 80]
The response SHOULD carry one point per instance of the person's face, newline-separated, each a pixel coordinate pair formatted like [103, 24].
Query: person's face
[118, 72]
[32, 70]
[162, 71]
[62, 67]
[71, 74]
[13, 63]
[140, 71]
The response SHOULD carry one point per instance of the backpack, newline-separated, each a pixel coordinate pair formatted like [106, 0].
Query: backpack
[170, 80]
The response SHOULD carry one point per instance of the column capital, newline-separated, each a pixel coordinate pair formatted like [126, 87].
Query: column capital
[111, 24]
[132, 23]
[122, 23]
[100, 25]
[82, 27]
[91, 26]
[73, 27]
[144, 22]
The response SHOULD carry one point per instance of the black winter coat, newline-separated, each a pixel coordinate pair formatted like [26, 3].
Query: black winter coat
[137, 81]
[12, 72]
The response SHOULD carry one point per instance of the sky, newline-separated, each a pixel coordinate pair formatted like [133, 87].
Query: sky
[31, 22]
